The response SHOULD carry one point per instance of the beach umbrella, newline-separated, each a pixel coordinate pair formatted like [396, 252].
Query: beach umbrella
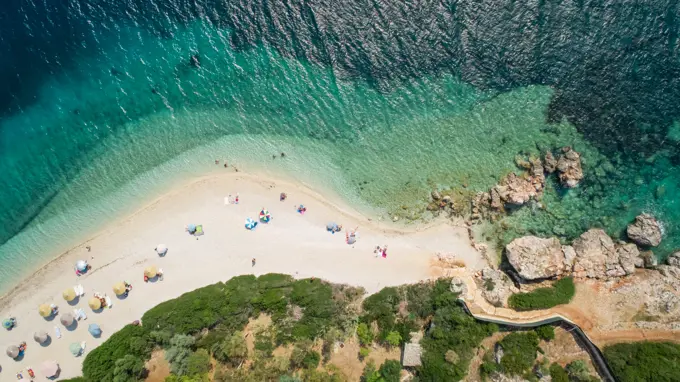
[192, 228]
[81, 265]
[50, 368]
[119, 288]
[69, 294]
[45, 310]
[161, 249]
[250, 223]
[7, 323]
[67, 319]
[40, 336]
[150, 271]
[94, 329]
[94, 303]
[12, 351]
[75, 349]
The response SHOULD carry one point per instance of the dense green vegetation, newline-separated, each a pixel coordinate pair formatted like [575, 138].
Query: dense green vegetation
[542, 298]
[558, 374]
[206, 326]
[545, 332]
[644, 361]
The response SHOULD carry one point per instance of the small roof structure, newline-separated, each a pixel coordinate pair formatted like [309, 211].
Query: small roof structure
[81, 265]
[119, 288]
[161, 249]
[12, 351]
[50, 368]
[151, 271]
[45, 310]
[411, 355]
[67, 319]
[40, 336]
[95, 330]
[69, 294]
[94, 303]
[75, 349]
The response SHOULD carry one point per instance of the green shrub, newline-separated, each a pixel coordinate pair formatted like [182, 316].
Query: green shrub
[181, 347]
[382, 307]
[644, 361]
[132, 340]
[76, 379]
[364, 352]
[419, 298]
[393, 339]
[519, 352]
[232, 350]
[365, 335]
[370, 374]
[451, 329]
[128, 369]
[543, 298]
[558, 374]
[189, 313]
[198, 363]
[311, 360]
[546, 332]
[390, 371]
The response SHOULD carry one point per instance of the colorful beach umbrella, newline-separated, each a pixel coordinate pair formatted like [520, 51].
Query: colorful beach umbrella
[67, 319]
[7, 323]
[40, 336]
[150, 271]
[50, 368]
[265, 216]
[250, 223]
[45, 310]
[94, 303]
[12, 351]
[119, 288]
[81, 265]
[95, 330]
[161, 249]
[75, 349]
[69, 294]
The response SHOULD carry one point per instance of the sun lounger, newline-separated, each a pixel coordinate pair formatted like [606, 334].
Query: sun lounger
[80, 291]
[57, 332]
[109, 303]
[79, 314]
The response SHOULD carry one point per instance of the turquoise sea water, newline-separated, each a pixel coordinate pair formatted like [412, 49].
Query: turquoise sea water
[104, 107]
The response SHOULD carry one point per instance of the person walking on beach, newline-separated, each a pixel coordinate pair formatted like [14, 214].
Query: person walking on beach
[384, 252]
[236, 200]
[253, 261]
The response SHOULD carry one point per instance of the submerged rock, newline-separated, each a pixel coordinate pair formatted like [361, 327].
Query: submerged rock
[550, 163]
[536, 258]
[645, 231]
[569, 167]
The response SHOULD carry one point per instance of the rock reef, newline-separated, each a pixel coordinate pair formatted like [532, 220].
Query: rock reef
[645, 231]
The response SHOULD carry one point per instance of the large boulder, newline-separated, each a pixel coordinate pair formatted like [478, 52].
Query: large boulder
[519, 189]
[674, 260]
[536, 258]
[598, 257]
[645, 231]
[496, 287]
[569, 167]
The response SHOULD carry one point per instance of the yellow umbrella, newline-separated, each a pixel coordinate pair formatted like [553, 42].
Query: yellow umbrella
[45, 310]
[94, 303]
[69, 294]
[151, 272]
[119, 288]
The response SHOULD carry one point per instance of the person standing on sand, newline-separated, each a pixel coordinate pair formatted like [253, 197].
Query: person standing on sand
[236, 200]
[384, 252]
[253, 261]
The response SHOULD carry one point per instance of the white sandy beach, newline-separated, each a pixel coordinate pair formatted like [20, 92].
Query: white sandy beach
[291, 243]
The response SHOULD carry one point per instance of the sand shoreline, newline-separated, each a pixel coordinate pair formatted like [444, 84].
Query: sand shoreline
[292, 244]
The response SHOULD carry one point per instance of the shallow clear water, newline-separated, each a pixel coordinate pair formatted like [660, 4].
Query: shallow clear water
[380, 102]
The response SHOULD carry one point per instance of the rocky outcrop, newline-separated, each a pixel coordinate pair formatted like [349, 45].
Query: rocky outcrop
[569, 167]
[516, 189]
[645, 231]
[496, 287]
[674, 260]
[549, 163]
[598, 257]
[536, 258]
[458, 286]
